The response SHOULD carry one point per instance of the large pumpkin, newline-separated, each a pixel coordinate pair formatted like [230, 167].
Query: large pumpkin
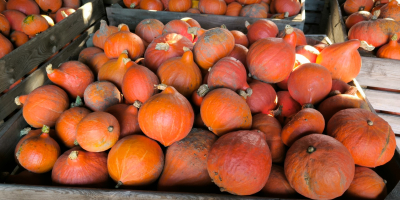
[319, 167]
[233, 9]
[352, 6]
[127, 116]
[277, 185]
[100, 95]
[15, 18]
[101, 35]
[233, 176]
[214, 7]
[260, 29]
[49, 6]
[263, 98]
[281, 6]
[151, 5]
[179, 5]
[357, 17]
[148, 29]
[391, 10]
[28, 7]
[366, 184]
[360, 131]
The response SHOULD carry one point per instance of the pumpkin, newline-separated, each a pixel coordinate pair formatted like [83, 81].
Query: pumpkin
[5, 46]
[233, 9]
[15, 18]
[193, 10]
[182, 73]
[308, 51]
[270, 60]
[75, 4]
[179, 5]
[63, 13]
[301, 38]
[148, 29]
[331, 172]
[254, 11]
[127, 116]
[3, 4]
[77, 167]
[151, 5]
[165, 4]
[86, 54]
[166, 117]
[239, 52]
[290, 36]
[366, 184]
[28, 7]
[196, 32]
[309, 84]
[390, 50]
[185, 166]
[97, 61]
[214, 7]
[271, 127]
[49, 6]
[115, 69]
[368, 131]
[73, 76]
[352, 6]
[277, 185]
[13, 85]
[378, 6]
[248, 2]
[164, 47]
[192, 22]
[179, 27]
[34, 24]
[132, 3]
[97, 131]
[263, 98]
[240, 38]
[50, 21]
[4, 26]
[262, 28]
[223, 111]
[281, 6]
[38, 153]
[300, 59]
[342, 87]
[100, 95]
[43, 106]
[306, 121]
[357, 17]
[18, 38]
[231, 176]
[101, 35]
[135, 160]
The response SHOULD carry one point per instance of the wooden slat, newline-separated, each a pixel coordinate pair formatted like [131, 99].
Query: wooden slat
[394, 121]
[19, 62]
[314, 5]
[384, 100]
[313, 18]
[382, 73]
[336, 29]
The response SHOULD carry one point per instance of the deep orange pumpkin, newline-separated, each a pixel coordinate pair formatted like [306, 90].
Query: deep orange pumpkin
[75, 4]
[301, 38]
[86, 54]
[352, 6]
[240, 38]
[260, 29]
[391, 10]
[277, 185]
[97, 61]
[3, 4]
[132, 3]
[248, 2]
[239, 52]
[15, 18]
[192, 22]
[193, 10]
[28, 7]
[127, 116]
[281, 6]
[5, 46]
[233, 9]
[366, 184]
[100, 95]
[390, 50]
[101, 35]
[4, 26]
[214, 7]
[49, 6]
[115, 69]
[34, 24]
[148, 29]
[179, 5]
[263, 98]
[178, 26]
[308, 51]
[357, 17]
[254, 11]
[228, 174]
[290, 36]
[18, 38]
[63, 13]
[151, 5]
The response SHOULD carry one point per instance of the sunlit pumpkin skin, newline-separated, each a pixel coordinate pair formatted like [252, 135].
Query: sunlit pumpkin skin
[34, 24]
[390, 50]
[86, 54]
[391, 10]
[282, 6]
[271, 127]
[115, 69]
[277, 185]
[270, 60]
[72, 76]
[127, 116]
[38, 153]
[192, 22]
[100, 95]
[101, 35]
[166, 117]
[260, 29]
[233, 9]
[97, 61]
[97, 131]
[179, 5]
[49, 6]
[4, 26]
[15, 18]
[254, 11]
[28, 7]
[306, 121]
[182, 73]
[197, 32]
[132, 4]
[340, 86]
[240, 38]
[357, 17]
[77, 167]
[308, 51]
[223, 111]
[263, 99]
[18, 38]
[193, 10]
[185, 167]
[63, 13]
[148, 29]
[44, 105]
[352, 6]
[239, 52]
[309, 83]
[178, 26]
[331, 174]
[214, 7]
[151, 5]
[332, 105]
[135, 160]
[5, 46]
[300, 37]
[366, 184]
[75, 4]
[164, 47]
[229, 174]
[368, 131]
[124, 40]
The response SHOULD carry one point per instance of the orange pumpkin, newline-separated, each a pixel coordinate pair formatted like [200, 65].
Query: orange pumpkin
[100, 95]
[28, 7]
[3, 4]
[290, 36]
[132, 3]
[357, 17]
[352, 6]
[240, 38]
[101, 35]
[193, 10]
[4, 26]
[178, 26]
[192, 22]
[366, 184]
[239, 52]
[301, 38]
[5, 46]
[15, 18]
[179, 5]
[262, 28]
[86, 54]
[127, 116]
[96, 61]
[49, 6]
[254, 11]
[263, 98]
[277, 185]
[281, 6]
[63, 13]
[75, 4]
[390, 50]
[18, 38]
[151, 5]
[391, 10]
[148, 29]
[115, 69]
[233, 9]
[34, 24]
[214, 7]
[249, 1]
[308, 51]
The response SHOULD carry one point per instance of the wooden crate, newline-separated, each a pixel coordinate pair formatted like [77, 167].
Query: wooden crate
[317, 11]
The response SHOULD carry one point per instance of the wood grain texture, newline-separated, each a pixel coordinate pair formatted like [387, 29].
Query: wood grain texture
[378, 72]
[22, 60]
[384, 100]
[314, 5]
[336, 29]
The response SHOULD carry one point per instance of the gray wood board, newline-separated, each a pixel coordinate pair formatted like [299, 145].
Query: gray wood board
[314, 5]
[384, 100]
[378, 72]
[394, 122]
[336, 29]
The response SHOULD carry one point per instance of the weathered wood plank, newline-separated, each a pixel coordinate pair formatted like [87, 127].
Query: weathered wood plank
[394, 121]
[384, 100]
[22, 60]
[337, 30]
[382, 73]
[314, 5]
[37, 78]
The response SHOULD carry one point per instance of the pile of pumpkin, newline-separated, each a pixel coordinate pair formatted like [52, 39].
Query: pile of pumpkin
[244, 8]
[250, 121]
[380, 29]
[21, 20]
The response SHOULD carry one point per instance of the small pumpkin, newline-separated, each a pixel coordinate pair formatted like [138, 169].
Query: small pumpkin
[4, 26]
[192, 22]
[239, 52]
[132, 3]
[28, 7]
[49, 6]
[281, 6]
[214, 7]
[357, 17]
[178, 26]
[115, 69]
[352, 6]
[18, 38]
[101, 35]
[290, 36]
[277, 185]
[100, 95]
[179, 5]
[301, 38]
[390, 50]
[391, 10]
[151, 5]
[310, 52]
[240, 38]
[34, 24]
[63, 13]
[262, 28]
[233, 9]
[5, 46]
[97, 61]
[87, 53]
[366, 184]
[342, 87]
[263, 98]
[127, 116]
[254, 11]
[15, 18]
[148, 29]
[3, 4]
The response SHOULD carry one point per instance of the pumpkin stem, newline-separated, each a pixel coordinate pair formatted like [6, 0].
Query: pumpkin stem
[385, 181]
[334, 93]
[286, 14]
[49, 69]
[376, 14]
[123, 27]
[203, 90]
[161, 86]
[311, 149]
[185, 49]
[78, 102]
[223, 26]
[361, 8]
[63, 14]
[210, 129]
[307, 105]
[137, 104]
[277, 112]
[139, 60]
[45, 129]
[132, 5]
[247, 24]
[162, 46]
[369, 122]
[364, 45]
[193, 30]
[246, 93]
[76, 143]
[352, 90]
[16, 100]
[24, 131]
[125, 52]
[125, 60]
[73, 155]
[119, 184]
[110, 129]
[288, 29]
[394, 37]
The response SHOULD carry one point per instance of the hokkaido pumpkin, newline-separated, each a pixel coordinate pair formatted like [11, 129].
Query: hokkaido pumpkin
[240, 38]
[86, 54]
[391, 10]
[34, 24]
[342, 87]
[77, 167]
[270, 126]
[277, 185]
[3, 4]
[366, 184]
[72, 76]
[148, 29]
[5, 46]
[378, 5]
[49, 6]
[97, 131]
[214, 7]
[254, 11]
[28, 7]
[192, 22]
[300, 37]
[331, 172]
[151, 5]
[185, 167]
[223, 111]
[262, 28]
[115, 69]
[228, 174]
[239, 52]
[233, 9]
[18, 38]
[352, 6]
[290, 36]
[97, 61]
[38, 153]
[63, 13]
[390, 50]
[15, 18]
[357, 17]
[245, 2]
[75, 4]
[4, 26]
[281, 6]
[135, 160]
[43, 106]
[165, 4]
[101, 35]
[127, 116]
[179, 5]
[132, 3]
[178, 26]
[100, 95]
[308, 51]
[166, 117]
[368, 131]
[263, 98]
[193, 10]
